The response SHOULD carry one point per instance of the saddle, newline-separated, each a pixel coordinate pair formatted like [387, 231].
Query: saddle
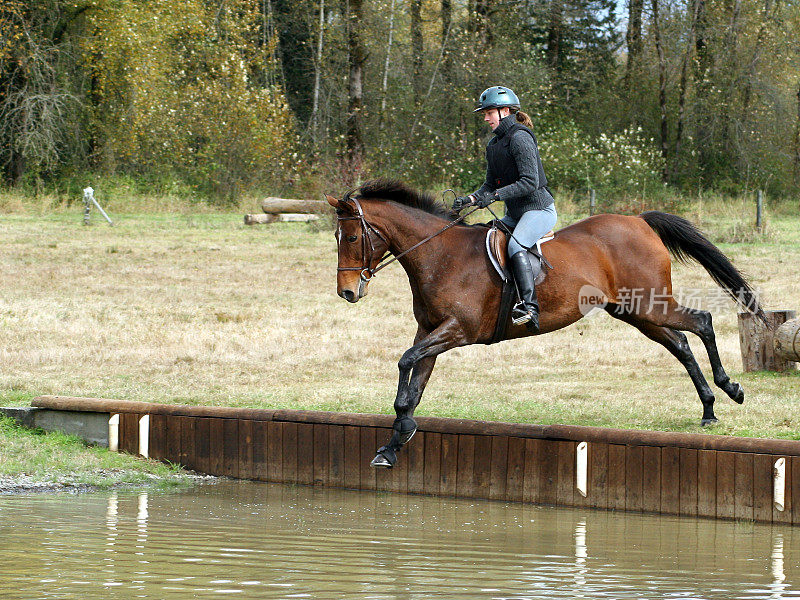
[497, 250]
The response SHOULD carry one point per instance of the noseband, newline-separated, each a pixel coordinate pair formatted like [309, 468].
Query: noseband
[366, 228]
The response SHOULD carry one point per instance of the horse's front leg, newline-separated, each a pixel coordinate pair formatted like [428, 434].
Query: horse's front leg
[418, 361]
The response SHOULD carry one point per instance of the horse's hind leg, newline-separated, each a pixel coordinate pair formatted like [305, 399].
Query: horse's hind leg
[678, 346]
[699, 322]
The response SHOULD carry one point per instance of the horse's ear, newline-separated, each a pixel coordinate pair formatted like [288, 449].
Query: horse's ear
[332, 201]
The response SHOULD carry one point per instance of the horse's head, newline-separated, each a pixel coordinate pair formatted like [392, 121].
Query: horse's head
[360, 248]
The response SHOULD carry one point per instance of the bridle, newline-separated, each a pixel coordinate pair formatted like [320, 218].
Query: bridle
[366, 273]
[366, 228]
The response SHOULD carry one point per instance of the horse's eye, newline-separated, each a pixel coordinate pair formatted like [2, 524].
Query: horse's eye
[352, 238]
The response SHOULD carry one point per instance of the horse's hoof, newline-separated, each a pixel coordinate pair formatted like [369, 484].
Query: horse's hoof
[385, 459]
[711, 421]
[380, 462]
[738, 395]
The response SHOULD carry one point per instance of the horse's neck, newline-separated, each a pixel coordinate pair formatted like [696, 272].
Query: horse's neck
[403, 227]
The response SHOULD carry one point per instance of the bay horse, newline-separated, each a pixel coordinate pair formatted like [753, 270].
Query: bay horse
[456, 291]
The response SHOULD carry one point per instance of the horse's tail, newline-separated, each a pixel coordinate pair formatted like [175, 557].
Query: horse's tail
[685, 242]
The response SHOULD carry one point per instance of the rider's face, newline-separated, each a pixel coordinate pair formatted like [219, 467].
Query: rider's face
[493, 115]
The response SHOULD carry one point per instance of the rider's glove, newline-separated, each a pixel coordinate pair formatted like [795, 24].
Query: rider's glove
[460, 202]
[484, 199]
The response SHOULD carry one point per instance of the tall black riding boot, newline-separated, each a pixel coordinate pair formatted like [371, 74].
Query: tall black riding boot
[526, 311]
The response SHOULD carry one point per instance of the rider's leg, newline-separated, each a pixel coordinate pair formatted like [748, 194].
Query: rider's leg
[531, 227]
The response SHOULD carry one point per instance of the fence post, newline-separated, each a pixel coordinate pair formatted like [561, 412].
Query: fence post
[759, 209]
[592, 202]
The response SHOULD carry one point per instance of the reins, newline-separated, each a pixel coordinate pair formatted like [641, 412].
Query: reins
[366, 227]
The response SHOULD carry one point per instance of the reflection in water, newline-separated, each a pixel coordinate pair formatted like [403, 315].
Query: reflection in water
[274, 541]
[580, 554]
[778, 574]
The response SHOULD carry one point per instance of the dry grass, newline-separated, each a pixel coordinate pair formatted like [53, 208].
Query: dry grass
[199, 309]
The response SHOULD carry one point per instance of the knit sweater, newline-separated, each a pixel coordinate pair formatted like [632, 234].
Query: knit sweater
[525, 193]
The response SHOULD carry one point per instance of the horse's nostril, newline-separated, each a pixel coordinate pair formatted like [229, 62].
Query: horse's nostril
[348, 295]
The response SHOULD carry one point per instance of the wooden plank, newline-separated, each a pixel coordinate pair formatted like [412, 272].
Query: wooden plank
[173, 440]
[289, 449]
[687, 497]
[565, 488]
[368, 447]
[516, 469]
[498, 468]
[230, 447]
[791, 493]
[188, 455]
[336, 455]
[398, 482]
[482, 465]
[433, 457]
[616, 476]
[383, 477]
[726, 491]
[530, 485]
[274, 453]
[707, 483]
[597, 492]
[415, 478]
[794, 486]
[352, 457]
[670, 480]
[548, 471]
[743, 486]
[202, 444]
[216, 446]
[651, 479]
[260, 468]
[321, 448]
[794, 496]
[634, 477]
[465, 479]
[448, 472]
[762, 487]
[129, 433]
[305, 453]
[158, 437]
[247, 467]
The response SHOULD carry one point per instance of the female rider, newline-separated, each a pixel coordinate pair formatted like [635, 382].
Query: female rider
[515, 175]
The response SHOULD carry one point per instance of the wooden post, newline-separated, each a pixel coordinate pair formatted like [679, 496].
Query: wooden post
[757, 341]
[759, 209]
[592, 202]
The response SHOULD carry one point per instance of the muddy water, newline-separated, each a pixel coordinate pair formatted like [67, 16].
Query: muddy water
[272, 541]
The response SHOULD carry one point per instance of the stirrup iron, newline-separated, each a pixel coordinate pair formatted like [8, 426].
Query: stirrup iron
[521, 312]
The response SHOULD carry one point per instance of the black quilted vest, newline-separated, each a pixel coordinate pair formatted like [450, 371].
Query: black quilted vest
[501, 162]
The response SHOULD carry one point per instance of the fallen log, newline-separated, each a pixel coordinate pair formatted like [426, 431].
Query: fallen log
[278, 218]
[278, 206]
[787, 340]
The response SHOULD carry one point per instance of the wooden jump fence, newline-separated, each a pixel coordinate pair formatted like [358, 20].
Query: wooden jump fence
[671, 473]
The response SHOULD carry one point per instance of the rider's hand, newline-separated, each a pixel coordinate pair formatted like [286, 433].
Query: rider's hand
[484, 199]
[460, 202]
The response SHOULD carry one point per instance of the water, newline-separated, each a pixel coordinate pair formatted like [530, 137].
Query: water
[257, 540]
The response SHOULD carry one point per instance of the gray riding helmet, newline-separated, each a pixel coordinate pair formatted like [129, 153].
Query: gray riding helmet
[498, 96]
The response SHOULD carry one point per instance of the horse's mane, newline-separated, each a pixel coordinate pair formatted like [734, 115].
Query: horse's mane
[397, 191]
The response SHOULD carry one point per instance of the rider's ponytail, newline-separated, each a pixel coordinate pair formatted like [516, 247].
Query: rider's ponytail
[524, 119]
